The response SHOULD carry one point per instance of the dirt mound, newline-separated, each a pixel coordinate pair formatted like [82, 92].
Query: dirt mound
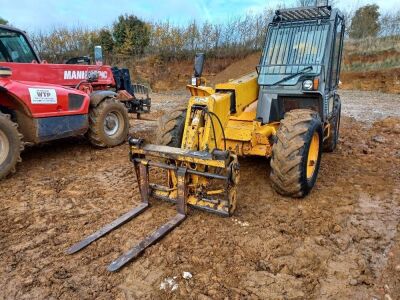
[351, 58]
[174, 74]
[238, 68]
[387, 81]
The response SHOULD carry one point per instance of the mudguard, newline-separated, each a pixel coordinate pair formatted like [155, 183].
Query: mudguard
[98, 96]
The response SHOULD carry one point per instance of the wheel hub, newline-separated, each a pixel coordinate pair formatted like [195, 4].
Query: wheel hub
[312, 158]
[111, 124]
[4, 147]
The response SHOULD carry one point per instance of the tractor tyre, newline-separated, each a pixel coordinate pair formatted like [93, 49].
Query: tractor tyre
[332, 141]
[170, 128]
[108, 124]
[296, 153]
[11, 145]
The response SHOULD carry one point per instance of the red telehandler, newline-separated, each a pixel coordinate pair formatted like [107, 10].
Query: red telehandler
[41, 102]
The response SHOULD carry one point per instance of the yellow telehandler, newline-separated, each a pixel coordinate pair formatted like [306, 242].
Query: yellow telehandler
[288, 111]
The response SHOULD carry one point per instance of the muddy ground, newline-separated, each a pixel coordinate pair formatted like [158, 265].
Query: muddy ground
[341, 242]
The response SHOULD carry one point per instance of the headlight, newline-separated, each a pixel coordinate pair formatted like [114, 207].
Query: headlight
[308, 85]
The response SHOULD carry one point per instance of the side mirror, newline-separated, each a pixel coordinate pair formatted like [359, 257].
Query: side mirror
[199, 64]
[98, 55]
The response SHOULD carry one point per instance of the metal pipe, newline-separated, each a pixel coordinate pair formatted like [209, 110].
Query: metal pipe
[190, 171]
[207, 175]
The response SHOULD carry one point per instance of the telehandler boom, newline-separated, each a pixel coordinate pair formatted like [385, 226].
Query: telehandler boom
[288, 111]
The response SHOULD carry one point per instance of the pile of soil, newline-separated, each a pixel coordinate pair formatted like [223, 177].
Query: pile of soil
[164, 76]
[387, 81]
[238, 68]
[369, 58]
[341, 242]
[174, 74]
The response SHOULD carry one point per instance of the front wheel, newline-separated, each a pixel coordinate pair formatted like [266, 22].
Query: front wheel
[171, 127]
[296, 153]
[11, 145]
[108, 124]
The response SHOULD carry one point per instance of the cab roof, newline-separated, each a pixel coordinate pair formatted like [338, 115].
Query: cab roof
[304, 14]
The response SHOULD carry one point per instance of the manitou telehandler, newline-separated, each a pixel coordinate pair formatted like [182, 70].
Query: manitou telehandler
[288, 111]
[40, 102]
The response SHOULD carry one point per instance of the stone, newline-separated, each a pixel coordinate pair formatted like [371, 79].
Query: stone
[353, 282]
[187, 275]
[337, 228]
[379, 139]
[366, 149]
[388, 297]
[203, 297]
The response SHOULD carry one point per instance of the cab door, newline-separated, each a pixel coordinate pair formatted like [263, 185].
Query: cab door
[336, 59]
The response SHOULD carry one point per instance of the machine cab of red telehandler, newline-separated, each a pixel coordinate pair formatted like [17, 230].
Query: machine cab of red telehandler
[41, 102]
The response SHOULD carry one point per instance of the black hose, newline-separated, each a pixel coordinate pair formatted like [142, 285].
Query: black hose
[213, 128]
[210, 115]
[222, 128]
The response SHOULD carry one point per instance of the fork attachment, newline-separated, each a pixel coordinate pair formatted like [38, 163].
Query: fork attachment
[189, 174]
[211, 180]
[164, 229]
[142, 173]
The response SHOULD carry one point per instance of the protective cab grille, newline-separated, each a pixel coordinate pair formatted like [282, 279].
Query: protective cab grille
[303, 13]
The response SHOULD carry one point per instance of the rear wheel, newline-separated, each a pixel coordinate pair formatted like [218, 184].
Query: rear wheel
[170, 128]
[332, 141]
[11, 145]
[296, 154]
[108, 124]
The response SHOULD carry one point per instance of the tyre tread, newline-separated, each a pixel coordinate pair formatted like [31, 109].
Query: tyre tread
[287, 153]
[11, 169]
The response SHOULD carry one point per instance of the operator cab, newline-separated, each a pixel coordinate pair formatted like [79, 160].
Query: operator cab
[300, 64]
[15, 46]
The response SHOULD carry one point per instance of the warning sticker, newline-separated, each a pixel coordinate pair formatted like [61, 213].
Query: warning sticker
[43, 96]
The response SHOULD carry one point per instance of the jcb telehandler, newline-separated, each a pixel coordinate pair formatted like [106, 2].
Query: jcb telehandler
[288, 111]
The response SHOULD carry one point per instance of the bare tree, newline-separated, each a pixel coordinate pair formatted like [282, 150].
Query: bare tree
[390, 24]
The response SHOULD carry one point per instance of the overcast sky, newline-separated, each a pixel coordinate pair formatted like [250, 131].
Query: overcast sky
[44, 14]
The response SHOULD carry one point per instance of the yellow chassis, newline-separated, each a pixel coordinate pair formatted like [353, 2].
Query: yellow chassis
[243, 135]
[220, 125]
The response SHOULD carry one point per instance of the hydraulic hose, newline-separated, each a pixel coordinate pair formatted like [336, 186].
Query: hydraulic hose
[210, 115]
[222, 128]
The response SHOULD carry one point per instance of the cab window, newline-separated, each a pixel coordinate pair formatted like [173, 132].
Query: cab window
[337, 55]
[14, 47]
